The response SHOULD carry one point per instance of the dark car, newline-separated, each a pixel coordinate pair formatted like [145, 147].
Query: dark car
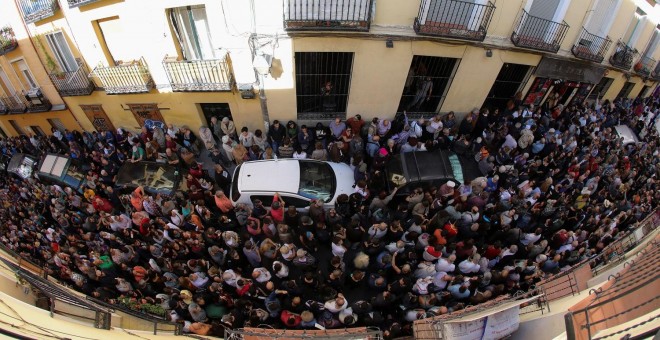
[21, 165]
[63, 170]
[155, 178]
[410, 170]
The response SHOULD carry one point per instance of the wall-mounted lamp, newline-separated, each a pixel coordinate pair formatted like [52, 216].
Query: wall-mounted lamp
[489, 53]
[389, 43]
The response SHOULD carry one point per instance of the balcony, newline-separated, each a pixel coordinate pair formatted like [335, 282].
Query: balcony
[199, 75]
[656, 72]
[327, 15]
[8, 41]
[591, 47]
[538, 33]
[623, 56]
[125, 78]
[454, 19]
[78, 3]
[35, 10]
[75, 83]
[644, 66]
[30, 101]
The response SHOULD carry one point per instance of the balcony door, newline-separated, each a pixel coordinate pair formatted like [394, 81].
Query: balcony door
[539, 25]
[192, 31]
[599, 23]
[635, 28]
[25, 75]
[60, 48]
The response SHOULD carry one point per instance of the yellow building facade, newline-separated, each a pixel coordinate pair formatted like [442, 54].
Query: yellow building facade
[106, 64]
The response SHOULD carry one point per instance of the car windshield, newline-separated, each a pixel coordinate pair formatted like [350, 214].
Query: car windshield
[317, 181]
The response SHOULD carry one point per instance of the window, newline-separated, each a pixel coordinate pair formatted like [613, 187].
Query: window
[427, 84]
[24, 74]
[267, 200]
[60, 48]
[192, 31]
[601, 88]
[643, 92]
[635, 27]
[295, 201]
[317, 181]
[17, 127]
[323, 82]
[625, 90]
[601, 18]
[506, 85]
[36, 130]
[57, 124]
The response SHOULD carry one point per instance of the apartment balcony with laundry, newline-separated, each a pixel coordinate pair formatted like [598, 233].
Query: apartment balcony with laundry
[78, 3]
[338, 15]
[623, 56]
[8, 41]
[35, 10]
[125, 78]
[73, 83]
[31, 101]
[199, 75]
[590, 46]
[644, 66]
[454, 19]
[538, 33]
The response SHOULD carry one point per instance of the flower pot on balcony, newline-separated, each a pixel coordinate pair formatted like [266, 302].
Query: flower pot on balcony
[638, 67]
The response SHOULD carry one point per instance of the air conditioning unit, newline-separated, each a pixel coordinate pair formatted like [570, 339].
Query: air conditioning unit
[35, 97]
[247, 91]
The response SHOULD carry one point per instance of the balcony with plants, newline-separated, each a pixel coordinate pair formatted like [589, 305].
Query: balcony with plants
[73, 83]
[539, 34]
[644, 66]
[199, 75]
[591, 47]
[125, 77]
[35, 10]
[623, 56]
[8, 41]
[337, 15]
[454, 19]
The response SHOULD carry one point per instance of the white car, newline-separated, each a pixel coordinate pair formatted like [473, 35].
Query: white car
[298, 181]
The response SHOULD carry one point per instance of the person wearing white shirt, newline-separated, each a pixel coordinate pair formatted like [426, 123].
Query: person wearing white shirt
[261, 275]
[441, 279]
[281, 270]
[120, 222]
[299, 154]
[531, 237]
[470, 265]
[336, 305]
[446, 264]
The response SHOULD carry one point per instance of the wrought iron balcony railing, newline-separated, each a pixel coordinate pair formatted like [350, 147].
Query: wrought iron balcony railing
[331, 15]
[623, 56]
[454, 19]
[538, 33]
[78, 3]
[126, 77]
[30, 101]
[74, 83]
[8, 41]
[644, 66]
[591, 47]
[199, 75]
[35, 10]
[656, 72]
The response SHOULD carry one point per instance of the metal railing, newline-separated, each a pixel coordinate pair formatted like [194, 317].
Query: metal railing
[74, 83]
[644, 66]
[590, 46]
[656, 72]
[14, 103]
[8, 41]
[538, 33]
[175, 327]
[78, 3]
[336, 15]
[623, 56]
[199, 75]
[126, 77]
[454, 19]
[367, 333]
[35, 10]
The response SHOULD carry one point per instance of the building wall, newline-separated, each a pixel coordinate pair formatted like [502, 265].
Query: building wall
[378, 73]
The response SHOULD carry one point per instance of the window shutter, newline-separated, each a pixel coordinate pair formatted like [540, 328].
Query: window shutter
[544, 9]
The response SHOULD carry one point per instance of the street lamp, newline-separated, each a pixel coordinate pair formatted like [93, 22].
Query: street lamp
[261, 64]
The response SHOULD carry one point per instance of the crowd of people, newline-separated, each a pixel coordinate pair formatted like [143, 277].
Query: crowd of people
[557, 187]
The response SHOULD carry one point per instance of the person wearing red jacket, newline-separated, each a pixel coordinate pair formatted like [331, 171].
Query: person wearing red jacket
[102, 204]
[291, 320]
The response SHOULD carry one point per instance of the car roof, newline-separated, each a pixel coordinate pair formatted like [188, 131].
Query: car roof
[424, 165]
[627, 134]
[270, 176]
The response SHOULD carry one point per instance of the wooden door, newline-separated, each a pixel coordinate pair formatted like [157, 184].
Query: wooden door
[98, 117]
